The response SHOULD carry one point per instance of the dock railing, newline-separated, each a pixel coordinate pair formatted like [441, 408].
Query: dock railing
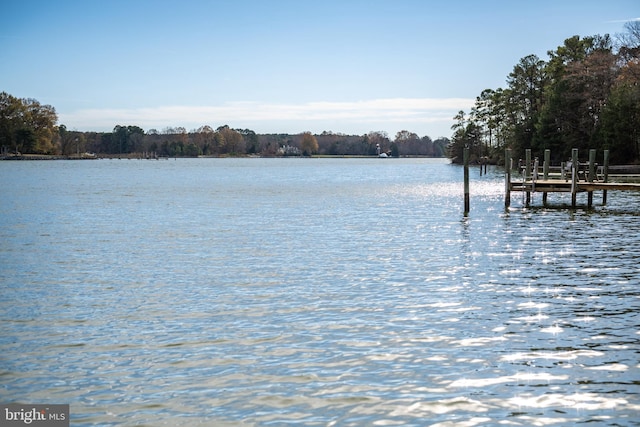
[572, 176]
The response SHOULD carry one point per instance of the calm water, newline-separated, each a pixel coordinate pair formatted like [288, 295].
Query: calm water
[319, 292]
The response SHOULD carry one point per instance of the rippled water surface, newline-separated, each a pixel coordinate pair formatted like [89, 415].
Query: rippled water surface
[319, 292]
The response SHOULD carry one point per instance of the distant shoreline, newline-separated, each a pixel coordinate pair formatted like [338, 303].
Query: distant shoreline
[139, 156]
[47, 157]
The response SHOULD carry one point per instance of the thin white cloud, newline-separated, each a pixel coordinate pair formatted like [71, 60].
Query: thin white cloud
[618, 21]
[377, 111]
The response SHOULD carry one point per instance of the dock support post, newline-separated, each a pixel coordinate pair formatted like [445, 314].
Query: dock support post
[527, 173]
[592, 172]
[507, 178]
[606, 176]
[465, 157]
[547, 164]
[545, 172]
[574, 176]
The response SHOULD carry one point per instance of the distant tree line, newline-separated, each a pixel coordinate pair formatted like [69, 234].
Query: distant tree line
[26, 126]
[586, 95]
[225, 141]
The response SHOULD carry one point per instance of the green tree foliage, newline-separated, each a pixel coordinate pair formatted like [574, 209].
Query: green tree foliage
[440, 147]
[466, 133]
[585, 96]
[126, 139]
[582, 72]
[71, 142]
[526, 89]
[250, 140]
[620, 129]
[26, 125]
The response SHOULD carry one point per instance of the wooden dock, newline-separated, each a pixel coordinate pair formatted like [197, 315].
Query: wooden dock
[571, 177]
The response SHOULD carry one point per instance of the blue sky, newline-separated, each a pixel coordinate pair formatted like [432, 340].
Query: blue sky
[280, 66]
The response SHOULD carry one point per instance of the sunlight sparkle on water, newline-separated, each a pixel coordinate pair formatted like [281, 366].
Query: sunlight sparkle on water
[334, 292]
[555, 329]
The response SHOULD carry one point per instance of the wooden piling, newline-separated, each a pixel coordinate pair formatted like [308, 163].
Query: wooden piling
[574, 176]
[545, 172]
[507, 184]
[546, 165]
[605, 174]
[592, 173]
[465, 157]
[527, 173]
[534, 176]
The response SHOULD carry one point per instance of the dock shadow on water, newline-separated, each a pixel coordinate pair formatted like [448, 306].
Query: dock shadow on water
[320, 292]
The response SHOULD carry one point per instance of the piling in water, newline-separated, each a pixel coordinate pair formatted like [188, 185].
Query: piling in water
[574, 176]
[605, 177]
[591, 177]
[545, 172]
[508, 165]
[527, 173]
[465, 157]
